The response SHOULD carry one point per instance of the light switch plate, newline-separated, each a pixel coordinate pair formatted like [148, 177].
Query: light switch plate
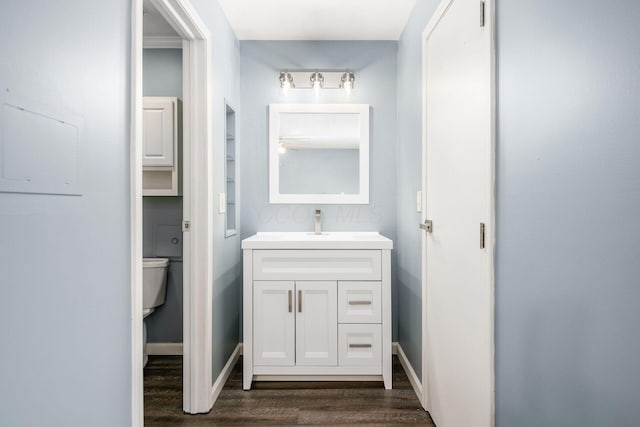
[419, 201]
[222, 203]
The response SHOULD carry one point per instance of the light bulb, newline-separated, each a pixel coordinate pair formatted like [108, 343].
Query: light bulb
[347, 88]
[286, 82]
[317, 81]
[346, 82]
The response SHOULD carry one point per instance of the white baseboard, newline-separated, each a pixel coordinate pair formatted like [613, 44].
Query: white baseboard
[408, 369]
[164, 348]
[224, 374]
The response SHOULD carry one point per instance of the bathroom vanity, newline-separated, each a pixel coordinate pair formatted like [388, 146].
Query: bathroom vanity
[317, 307]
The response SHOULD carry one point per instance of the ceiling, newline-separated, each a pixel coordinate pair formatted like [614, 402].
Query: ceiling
[318, 19]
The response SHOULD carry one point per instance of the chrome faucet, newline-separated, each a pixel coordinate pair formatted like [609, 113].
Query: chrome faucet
[318, 229]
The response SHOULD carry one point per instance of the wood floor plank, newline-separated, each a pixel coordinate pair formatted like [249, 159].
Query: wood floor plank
[282, 403]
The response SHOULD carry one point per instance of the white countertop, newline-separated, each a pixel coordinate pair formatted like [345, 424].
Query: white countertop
[309, 240]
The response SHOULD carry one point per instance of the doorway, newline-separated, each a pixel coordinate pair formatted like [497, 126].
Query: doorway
[458, 241]
[196, 229]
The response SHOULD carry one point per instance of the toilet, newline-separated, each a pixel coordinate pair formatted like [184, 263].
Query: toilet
[154, 279]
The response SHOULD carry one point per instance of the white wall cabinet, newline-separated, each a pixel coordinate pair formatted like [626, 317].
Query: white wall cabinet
[314, 314]
[162, 133]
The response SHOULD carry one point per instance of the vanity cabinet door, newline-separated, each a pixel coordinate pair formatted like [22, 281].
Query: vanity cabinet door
[316, 324]
[273, 324]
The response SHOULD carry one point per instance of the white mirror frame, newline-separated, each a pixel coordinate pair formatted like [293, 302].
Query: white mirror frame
[362, 198]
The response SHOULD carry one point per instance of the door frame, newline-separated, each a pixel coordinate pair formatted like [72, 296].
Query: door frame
[490, 240]
[197, 166]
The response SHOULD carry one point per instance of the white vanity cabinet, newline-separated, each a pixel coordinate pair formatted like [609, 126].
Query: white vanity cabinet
[317, 307]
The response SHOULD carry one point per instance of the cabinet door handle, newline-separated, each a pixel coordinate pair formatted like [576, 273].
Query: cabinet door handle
[359, 345]
[359, 302]
[299, 301]
[290, 292]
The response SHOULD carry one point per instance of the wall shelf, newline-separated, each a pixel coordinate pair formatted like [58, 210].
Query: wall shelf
[230, 171]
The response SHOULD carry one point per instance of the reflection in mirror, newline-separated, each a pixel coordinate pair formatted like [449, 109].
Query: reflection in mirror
[319, 153]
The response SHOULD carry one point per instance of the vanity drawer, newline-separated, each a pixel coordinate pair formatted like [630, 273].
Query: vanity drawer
[360, 345]
[359, 302]
[317, 265]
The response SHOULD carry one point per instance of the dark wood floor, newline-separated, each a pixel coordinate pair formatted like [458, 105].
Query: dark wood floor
[282, 403]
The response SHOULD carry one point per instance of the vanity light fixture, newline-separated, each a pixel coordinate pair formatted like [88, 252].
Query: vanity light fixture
[286, 81]
[346, 82]
[317, 82]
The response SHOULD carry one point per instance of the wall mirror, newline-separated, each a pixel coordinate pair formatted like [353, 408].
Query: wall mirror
[319, 153]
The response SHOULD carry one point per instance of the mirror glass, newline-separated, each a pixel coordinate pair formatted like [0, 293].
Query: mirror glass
[319, 155]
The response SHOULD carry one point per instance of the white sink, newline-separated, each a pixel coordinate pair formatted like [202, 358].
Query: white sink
[310, 240]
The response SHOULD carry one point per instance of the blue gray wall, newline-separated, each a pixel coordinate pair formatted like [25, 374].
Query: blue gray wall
[567, 273]
[162, 216]
[374, 64]
[162, 72]
[409, 170]
[227, 261]
[65, 308]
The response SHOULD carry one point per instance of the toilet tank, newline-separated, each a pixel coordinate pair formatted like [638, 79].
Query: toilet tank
[154, 278]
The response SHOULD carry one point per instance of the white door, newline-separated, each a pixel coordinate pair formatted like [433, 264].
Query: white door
[317, 324]
[273, 324]
[459, 199]
[158, 131]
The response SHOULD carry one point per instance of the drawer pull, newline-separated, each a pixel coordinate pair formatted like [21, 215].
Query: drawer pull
[359, 302]
[299, 301]
[359, 345]
[290, 298]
